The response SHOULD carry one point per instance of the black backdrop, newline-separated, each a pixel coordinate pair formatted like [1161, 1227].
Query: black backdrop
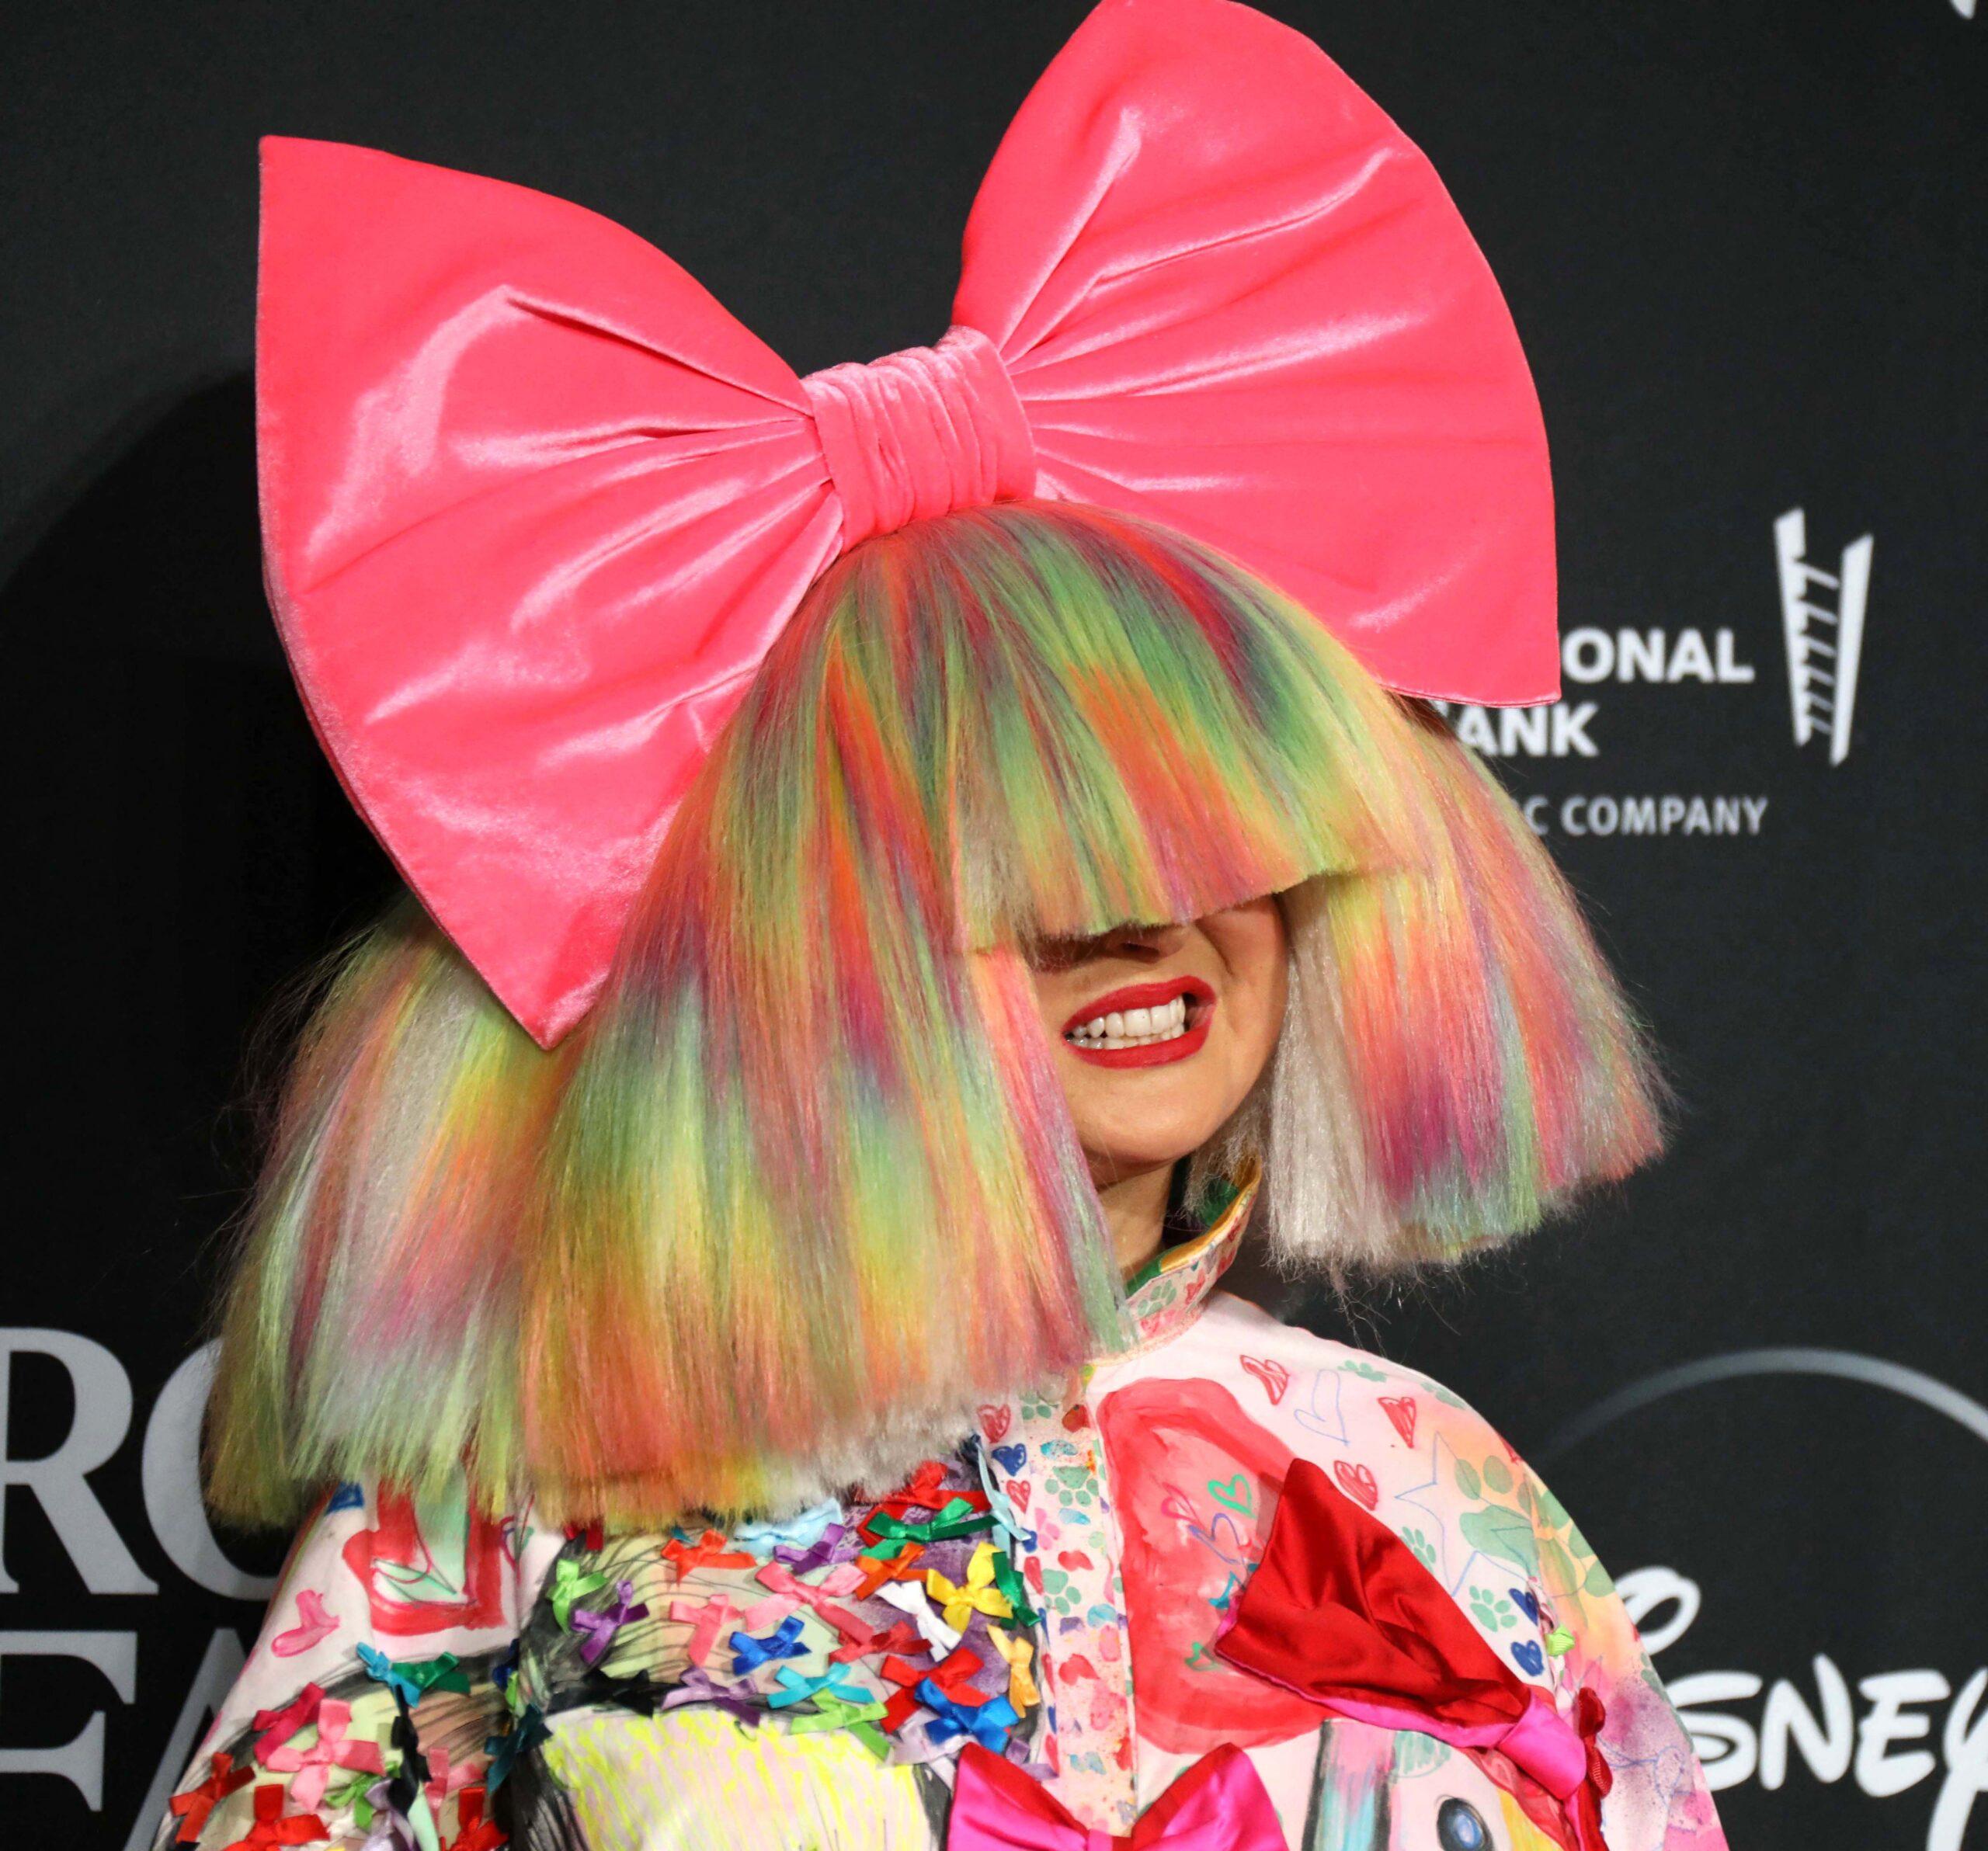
[1744, 242]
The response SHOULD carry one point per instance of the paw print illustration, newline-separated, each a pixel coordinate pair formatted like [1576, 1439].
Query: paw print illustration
[1425, 1551]
[1491, 1611]
[1060, 1592]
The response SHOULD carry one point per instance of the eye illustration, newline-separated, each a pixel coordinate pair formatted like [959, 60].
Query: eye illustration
[1460, 1827]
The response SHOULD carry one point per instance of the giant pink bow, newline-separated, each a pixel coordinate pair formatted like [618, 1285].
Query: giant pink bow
[1217, 1804]
[535, 506]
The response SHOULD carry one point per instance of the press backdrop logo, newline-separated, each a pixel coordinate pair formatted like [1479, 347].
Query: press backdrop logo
[143, 1725]
[1896, 1724]
[1823, 599]
[1821, 621]
[1593, 661]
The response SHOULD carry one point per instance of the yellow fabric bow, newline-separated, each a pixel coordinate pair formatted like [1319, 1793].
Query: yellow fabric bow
[1017, 1651]
[978, 1593]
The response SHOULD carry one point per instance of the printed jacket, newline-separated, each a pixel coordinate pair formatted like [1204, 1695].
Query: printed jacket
[1038, 1624]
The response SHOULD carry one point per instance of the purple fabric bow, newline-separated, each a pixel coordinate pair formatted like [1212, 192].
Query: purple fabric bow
[699, 1686]
[597, 1629]
[801, 1560]
[392, 1830]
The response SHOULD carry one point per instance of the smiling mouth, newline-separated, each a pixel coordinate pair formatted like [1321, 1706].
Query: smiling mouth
[1143, 1024]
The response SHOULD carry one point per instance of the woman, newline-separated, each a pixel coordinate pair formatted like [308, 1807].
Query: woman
[735, 1281]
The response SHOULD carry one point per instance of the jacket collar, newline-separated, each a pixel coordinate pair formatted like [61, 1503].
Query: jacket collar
[1168, 1293]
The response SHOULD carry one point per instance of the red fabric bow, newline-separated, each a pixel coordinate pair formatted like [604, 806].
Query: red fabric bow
[1341, 1611]
[925, 1490]
[708, 1551]
[192, 1807]
[474, 1832]
[535, 507]
[271, 1829]
[1217, 1804]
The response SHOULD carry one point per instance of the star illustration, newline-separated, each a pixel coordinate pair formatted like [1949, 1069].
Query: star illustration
[1436, 1498]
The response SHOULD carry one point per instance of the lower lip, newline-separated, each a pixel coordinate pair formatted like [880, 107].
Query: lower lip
[1155, 1054]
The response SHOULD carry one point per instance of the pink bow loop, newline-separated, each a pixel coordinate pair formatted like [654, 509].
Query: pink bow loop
[536, 507]
[1220, 1803]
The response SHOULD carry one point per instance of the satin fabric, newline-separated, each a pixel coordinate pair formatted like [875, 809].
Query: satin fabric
[535, 506]
[1339, 1610]
[1218, 1804]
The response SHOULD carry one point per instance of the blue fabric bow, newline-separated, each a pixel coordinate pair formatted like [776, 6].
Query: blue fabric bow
[796, 1687]
[407, 1679]
[751, 1653]
[798, 1532]
[523, 1736]
[987, 1723]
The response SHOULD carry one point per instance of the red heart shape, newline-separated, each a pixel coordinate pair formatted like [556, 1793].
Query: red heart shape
[1018, 1493]
[1273, 1376]
[1032, 1572]
[1401, 1411]
[1073, 1559]
[1357, 1481]
[1076, 1666]
[994, 1422]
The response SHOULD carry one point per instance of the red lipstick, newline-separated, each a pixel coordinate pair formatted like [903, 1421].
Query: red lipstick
[1199, 1010]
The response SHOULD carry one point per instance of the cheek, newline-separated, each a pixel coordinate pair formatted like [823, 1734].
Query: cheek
[1260, 970]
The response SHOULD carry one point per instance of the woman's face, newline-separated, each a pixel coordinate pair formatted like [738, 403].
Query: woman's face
[1161, 1030]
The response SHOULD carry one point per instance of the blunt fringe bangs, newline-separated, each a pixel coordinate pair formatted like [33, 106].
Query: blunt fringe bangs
[803, 1186]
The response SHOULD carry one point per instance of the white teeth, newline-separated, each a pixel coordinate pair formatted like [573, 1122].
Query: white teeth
[1133, 1028]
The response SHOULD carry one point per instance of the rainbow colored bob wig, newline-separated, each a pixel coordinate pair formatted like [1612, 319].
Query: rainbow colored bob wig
[803, 1187]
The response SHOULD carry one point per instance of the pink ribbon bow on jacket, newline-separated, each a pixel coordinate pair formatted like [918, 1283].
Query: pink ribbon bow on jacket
[1339, 1610]
[535, 506]
[1217, 1804]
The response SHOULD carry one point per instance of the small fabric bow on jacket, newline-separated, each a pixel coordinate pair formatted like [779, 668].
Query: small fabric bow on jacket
[1340, 1610]
[535, 506]
[1217, 1804]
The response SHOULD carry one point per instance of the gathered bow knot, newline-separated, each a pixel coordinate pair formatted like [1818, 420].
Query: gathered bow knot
[535, 506]
[921, 432]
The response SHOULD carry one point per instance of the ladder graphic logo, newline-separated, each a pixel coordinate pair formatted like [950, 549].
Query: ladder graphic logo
[1823, 644]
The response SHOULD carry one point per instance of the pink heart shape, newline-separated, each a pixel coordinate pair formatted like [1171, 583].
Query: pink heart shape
[1357, 1482]
[1273, 1374]
[1401, 1411]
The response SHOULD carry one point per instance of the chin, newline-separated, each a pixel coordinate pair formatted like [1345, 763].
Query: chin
[1142, 1145]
